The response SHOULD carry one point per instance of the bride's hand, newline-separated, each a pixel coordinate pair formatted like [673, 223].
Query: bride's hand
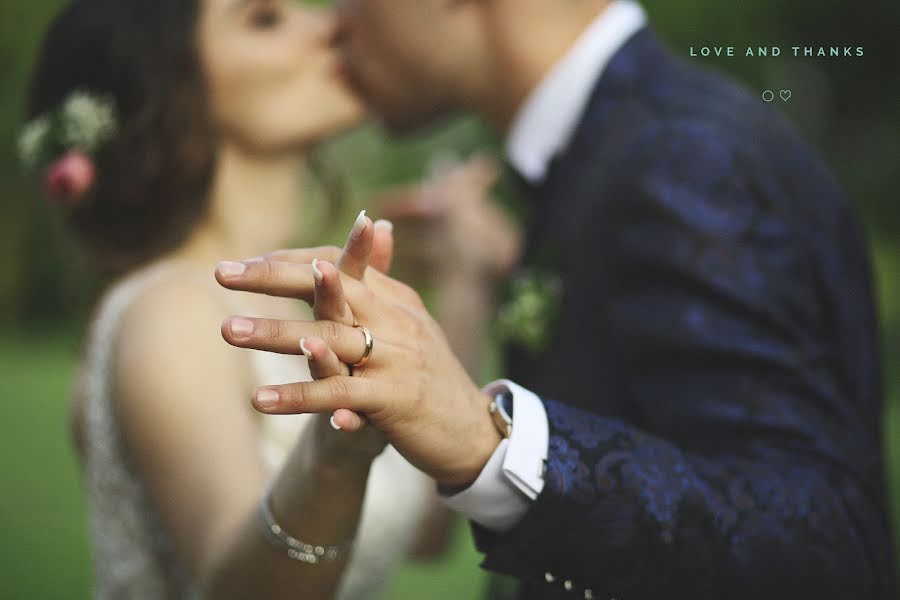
[330, 305]
[367, 442]
[368, 244]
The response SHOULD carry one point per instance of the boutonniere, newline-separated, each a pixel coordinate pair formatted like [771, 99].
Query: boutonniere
[531, 309]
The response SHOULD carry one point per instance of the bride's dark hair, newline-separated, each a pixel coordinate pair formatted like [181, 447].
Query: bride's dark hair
[153, 176]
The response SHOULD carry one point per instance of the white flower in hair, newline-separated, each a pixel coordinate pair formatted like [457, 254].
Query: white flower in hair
[87, 121]
[32, 141]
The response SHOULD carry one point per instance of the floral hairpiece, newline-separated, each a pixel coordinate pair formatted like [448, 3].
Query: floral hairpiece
[65, 141]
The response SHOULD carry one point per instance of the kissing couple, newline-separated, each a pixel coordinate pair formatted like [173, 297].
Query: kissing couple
[691, 403]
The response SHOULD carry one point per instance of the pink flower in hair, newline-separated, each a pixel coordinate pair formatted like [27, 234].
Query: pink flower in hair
[70, 178]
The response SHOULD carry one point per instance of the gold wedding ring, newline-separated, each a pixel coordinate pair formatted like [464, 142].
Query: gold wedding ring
[370, 341]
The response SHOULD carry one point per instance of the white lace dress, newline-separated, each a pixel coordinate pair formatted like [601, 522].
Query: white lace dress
[133, 556]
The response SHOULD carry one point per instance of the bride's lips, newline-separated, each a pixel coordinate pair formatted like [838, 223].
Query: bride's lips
[342, 70]
[345, 74]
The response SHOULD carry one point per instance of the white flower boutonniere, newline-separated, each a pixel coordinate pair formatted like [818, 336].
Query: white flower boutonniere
[529, 314]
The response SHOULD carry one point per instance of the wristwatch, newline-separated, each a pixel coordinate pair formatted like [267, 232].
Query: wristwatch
[501, 410]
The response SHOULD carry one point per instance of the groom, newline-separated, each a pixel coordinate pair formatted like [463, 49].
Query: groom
[702, 419]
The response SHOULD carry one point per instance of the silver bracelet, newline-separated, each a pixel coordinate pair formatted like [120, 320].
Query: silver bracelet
[296, 549]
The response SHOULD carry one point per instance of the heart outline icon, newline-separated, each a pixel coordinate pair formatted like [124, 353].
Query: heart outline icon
[785, 95]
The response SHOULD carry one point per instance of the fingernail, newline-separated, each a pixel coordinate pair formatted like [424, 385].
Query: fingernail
[306, 351]
[231, 269]
[254, 260]
[359, 226]
[241, 328]
[267, 398]
[317, 274]
[384, 224]
[334, 424]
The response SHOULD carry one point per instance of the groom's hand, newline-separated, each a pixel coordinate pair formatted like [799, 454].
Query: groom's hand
[413, 388]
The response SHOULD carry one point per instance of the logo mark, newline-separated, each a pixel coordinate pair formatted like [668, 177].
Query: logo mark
[769, 95]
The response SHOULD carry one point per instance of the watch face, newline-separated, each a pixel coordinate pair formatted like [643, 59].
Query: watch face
[505, 405]
[500, 413]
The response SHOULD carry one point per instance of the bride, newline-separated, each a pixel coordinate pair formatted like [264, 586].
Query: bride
[172, 134]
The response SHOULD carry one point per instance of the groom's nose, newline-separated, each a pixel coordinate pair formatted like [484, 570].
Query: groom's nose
[340, 29]
[345, 10]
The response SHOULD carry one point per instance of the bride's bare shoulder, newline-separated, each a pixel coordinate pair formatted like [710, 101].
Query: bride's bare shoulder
[149, 322]
[177, 300]
[169, 339]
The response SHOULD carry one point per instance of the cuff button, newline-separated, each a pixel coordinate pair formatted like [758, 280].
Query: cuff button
[549, 578]
[568, 585]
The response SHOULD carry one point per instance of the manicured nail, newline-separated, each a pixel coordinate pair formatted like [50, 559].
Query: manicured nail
[241, 328]
[384, 224]
[267, 398]
[306, 351]
[334, 424]
[359, 226]
[317, 274]
[231, 269]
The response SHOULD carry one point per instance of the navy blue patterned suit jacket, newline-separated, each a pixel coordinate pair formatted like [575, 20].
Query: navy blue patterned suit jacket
[713, 380]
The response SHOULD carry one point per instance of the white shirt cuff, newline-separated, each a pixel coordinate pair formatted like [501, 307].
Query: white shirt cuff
[514, 475]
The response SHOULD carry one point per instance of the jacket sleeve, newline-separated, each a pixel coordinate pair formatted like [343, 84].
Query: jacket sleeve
[743, 469]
